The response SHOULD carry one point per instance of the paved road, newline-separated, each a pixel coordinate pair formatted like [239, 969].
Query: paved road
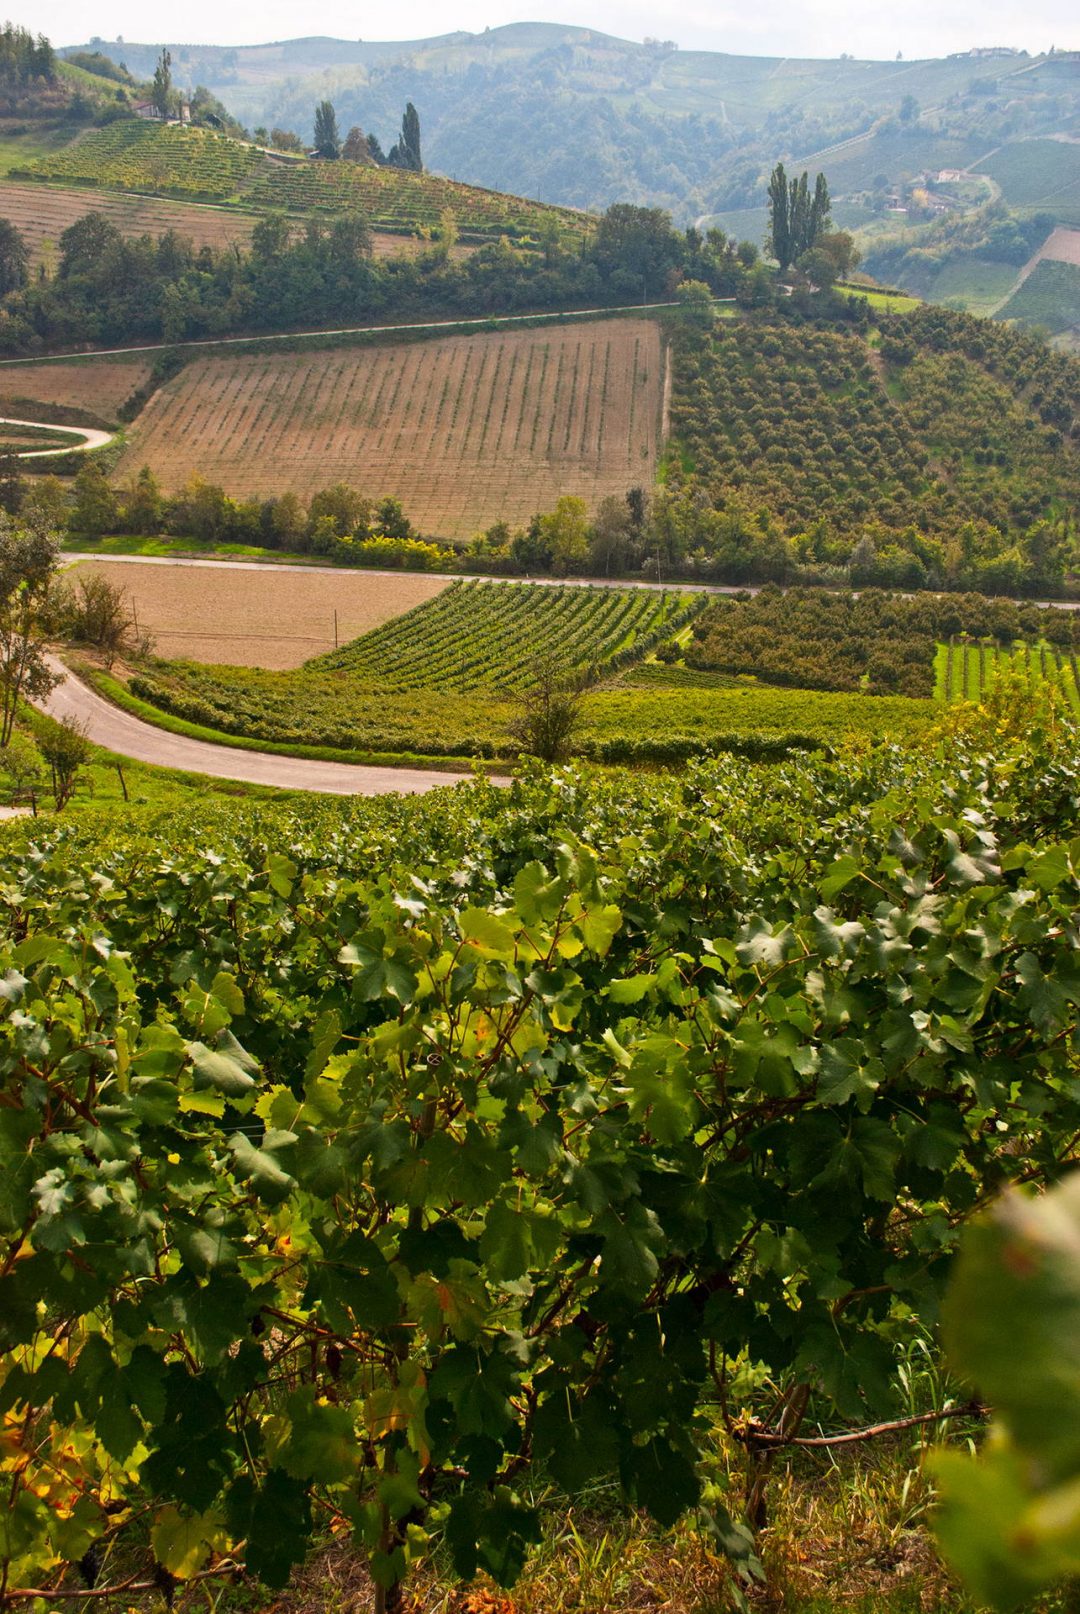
[91, 438]
[677, 585]
[128, 736]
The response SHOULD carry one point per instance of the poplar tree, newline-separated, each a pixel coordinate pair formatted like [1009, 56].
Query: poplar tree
[161, 94]
[406, 152]
[779, 238]
[327, 140]
[797, 220]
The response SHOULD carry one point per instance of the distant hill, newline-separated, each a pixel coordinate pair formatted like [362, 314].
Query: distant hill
[583, 118]
[580, 118]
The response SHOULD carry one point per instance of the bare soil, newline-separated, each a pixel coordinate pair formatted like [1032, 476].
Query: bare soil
[97, 388]
[41, 213]
[248, 618]
[465, 430]
[1063, 245]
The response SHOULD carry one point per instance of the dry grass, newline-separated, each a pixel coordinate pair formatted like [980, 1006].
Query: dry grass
[465, 430]
[97, 388]
[849, 1537]
[258, 618]
[42, 213]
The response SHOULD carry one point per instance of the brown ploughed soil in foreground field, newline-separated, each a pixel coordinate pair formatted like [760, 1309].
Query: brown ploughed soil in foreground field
[464, 430]
[41, 214]
[95, 388]
[258, 618]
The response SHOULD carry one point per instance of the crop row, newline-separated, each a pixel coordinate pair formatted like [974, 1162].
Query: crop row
[177, 161]
[965, 670]
[464, 430]
[491, 634]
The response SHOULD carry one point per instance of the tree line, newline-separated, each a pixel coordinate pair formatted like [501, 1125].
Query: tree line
[877, 642]
[109, 288]
[25, 57]
[361, 148]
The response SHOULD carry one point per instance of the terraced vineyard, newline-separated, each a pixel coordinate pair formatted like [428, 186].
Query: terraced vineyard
[463, 430]
[477, 635]
[196, 164]
[965, 670]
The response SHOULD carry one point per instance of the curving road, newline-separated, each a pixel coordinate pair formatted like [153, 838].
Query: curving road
[107, 725]
[91, 438]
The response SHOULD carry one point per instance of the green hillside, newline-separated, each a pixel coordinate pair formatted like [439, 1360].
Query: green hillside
[1042, 174]
[938, 449]
[200, 165]
[584, 119]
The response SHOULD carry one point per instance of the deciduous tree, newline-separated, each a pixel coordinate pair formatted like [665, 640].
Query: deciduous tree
[95, 509]
[14, 260]
[565, 531]
[548, 713]
[355, 147]
[28, 560]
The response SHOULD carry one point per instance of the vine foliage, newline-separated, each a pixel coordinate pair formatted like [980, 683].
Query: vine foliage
[361, 1165]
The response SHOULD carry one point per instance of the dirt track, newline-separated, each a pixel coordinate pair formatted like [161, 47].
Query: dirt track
[128, 736]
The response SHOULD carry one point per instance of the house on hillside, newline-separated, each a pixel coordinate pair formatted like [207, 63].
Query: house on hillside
[147, 109]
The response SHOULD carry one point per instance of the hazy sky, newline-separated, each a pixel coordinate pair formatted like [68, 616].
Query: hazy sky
[771, 28]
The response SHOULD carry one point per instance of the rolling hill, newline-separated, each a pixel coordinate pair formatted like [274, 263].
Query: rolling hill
[193, 164]
[584, 119]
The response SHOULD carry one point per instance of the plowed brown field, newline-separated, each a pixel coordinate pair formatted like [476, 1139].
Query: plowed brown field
[95, 387]
[258, 617]
[1063, 245]
[42, 213]
[464, 430]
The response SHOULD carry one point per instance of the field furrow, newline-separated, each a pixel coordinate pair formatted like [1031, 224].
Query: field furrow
[464, 430]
